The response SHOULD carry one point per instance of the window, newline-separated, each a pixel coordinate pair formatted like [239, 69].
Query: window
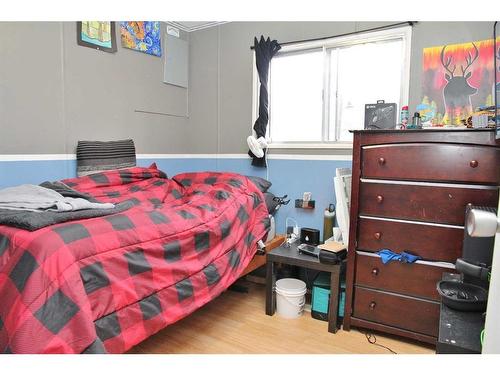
[318, 90]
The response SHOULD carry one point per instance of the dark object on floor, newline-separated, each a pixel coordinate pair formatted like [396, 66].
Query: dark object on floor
[309, 236]
[320, 299]
[265, 49]
[459, 331]
[238, 288]
[330, 257]
[462, 296]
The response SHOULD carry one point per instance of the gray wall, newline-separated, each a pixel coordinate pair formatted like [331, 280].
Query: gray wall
[54, 92]
[225, 66]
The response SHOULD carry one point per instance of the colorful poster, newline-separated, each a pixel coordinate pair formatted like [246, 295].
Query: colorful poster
[456, 80]
[143, 36]
[97, 34]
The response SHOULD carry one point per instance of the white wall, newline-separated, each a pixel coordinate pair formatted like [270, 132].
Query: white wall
[491, 343]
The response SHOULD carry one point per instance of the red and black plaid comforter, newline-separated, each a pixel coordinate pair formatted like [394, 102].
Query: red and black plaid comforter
[105, 284]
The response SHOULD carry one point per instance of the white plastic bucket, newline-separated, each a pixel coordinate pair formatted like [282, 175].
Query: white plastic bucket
[290, 297]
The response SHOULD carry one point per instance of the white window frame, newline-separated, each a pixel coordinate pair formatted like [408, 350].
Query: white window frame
[404, 32]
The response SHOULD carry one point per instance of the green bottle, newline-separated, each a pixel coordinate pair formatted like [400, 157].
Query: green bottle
[328, 221]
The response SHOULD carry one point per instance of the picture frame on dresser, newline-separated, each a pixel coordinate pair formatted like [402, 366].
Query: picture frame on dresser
[409, 192]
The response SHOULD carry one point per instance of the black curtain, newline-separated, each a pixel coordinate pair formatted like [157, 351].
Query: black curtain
[265, 49]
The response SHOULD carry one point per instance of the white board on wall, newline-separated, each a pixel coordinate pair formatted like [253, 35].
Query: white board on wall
[176, 65]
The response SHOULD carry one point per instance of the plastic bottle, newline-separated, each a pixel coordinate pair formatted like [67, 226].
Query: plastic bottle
[405, 115]
[417, 121]
[328, 220]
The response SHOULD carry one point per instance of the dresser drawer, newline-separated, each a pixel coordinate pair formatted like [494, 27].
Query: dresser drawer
[431, 242]
[430, 203]
[432, 162]
[397, 311]
[414, 279]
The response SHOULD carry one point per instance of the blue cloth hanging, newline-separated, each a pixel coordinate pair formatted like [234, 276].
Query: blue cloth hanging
[388, 255]
[409, 258]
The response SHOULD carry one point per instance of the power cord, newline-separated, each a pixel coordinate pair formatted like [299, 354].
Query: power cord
[294, 235]
[372, 339]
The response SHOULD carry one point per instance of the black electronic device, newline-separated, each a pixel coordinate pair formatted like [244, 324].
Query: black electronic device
[470, 293]
[477, 252]
[309, 236]
[381, 115]
[464, 297]
[308, 250]
[459, 330]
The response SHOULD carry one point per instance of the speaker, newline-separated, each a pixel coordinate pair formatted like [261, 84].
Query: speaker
[309, 236]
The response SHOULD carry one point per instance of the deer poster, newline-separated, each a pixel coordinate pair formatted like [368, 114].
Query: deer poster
[456, 80]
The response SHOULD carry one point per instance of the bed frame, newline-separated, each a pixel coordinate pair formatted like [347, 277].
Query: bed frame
[260, 258]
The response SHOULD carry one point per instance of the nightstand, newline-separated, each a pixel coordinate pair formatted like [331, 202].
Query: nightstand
[291, 256]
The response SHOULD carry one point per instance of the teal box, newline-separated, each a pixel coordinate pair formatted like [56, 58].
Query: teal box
[320, 300]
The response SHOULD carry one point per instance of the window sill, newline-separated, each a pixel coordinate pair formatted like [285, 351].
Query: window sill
[330, 146]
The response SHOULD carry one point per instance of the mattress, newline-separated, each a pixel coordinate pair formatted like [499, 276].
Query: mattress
[104, 284]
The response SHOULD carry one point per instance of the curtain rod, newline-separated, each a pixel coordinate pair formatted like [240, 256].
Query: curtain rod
[410, 23]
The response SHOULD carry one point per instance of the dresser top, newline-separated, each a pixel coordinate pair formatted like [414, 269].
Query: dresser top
[428, 130]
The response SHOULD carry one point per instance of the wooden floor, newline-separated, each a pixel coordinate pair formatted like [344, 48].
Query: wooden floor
[235, 323]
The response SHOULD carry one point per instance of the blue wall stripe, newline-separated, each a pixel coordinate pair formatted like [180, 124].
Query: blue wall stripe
[14, 173]
[292, 177]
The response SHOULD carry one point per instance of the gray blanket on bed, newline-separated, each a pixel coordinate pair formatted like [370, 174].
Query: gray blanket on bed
[39, 198]
[34, 220]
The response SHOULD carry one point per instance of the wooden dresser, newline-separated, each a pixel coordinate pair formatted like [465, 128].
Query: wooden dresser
[409, 192]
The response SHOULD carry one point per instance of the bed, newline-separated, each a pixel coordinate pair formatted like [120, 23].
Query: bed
[104, 284]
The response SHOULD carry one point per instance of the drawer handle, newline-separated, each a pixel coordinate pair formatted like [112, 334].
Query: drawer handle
[372, 305]
[375, 271]
[377, 235]
[380, 198]
[381, 161]
[474, 163]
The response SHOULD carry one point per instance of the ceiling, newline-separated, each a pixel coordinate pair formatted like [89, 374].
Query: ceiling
[194, 25]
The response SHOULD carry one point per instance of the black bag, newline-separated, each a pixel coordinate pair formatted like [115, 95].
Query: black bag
[329, 257]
